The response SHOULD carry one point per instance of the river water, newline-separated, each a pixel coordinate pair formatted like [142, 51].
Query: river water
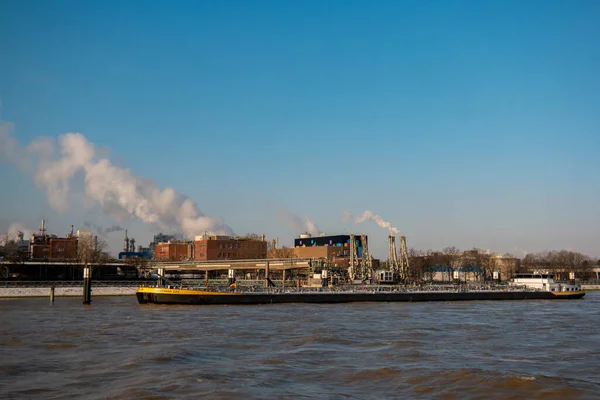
[118, 349]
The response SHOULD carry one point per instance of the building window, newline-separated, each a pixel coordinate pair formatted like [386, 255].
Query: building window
[219, 255]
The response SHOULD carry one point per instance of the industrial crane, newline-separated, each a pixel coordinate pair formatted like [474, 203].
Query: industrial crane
[393, 255]
[398, 267]
[367, 260]
[354, 267]
[403, 258]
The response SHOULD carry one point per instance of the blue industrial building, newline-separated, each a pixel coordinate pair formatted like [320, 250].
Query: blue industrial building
[306, 240]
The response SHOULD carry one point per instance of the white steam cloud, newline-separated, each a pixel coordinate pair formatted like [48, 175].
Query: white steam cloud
[55, 163]
[13, 230]
[370, 216]
[299, 224]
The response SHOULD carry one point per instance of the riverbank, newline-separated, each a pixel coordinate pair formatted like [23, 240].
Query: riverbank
[77, 291]
[66, 291]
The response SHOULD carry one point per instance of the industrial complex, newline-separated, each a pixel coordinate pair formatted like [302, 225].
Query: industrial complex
[48, 256]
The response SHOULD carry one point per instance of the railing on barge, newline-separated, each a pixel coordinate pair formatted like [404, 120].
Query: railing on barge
[354, 288]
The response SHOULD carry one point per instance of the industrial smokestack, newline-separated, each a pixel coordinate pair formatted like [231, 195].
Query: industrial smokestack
[95, 243]
[126, 241]
[43, 230]
[132, 245]
[71, 235]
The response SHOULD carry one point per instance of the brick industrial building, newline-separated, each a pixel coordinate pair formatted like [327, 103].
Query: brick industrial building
[63, 248]
[212, 247]
[229, 248]
[173, 251]
[47, 246]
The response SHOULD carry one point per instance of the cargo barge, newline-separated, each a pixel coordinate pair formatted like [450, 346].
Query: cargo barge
[162, 295]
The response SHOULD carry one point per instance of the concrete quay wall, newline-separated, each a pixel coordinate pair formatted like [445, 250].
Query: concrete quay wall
[66, 291]
[590, 287]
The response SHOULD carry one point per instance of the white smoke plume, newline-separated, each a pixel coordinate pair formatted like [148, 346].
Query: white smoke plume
[299, 224]
[370, 216]
[12, 232]
[56, 163]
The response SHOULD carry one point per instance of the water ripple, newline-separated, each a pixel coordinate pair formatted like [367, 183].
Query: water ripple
[118, 349]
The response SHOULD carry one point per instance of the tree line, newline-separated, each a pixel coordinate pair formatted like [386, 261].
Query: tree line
[558, 262]
[561, 263]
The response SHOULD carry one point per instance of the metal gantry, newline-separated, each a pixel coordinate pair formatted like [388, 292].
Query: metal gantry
[403, 258]
[367, 260]
[353, 268]
[393, 255]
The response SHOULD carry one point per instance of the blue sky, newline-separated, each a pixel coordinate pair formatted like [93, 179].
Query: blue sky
[467, 123]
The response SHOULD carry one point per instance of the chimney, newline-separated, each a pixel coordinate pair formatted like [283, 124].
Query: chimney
[71, 235]
[132, 245]
[43, 230]
[95, 243]
[126, 241]
[262, 237]
[190, 251]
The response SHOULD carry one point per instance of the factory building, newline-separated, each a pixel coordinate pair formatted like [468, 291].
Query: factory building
[330, 247]
[63, 248]
[129, 251]
[211, 247]
[162, 238]
[173, 251]
[46, 246]
[39, 245]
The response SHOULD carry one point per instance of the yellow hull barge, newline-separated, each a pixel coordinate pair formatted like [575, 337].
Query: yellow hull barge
[170, 295]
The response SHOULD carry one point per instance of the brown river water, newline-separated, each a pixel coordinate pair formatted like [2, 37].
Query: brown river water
[117, 349]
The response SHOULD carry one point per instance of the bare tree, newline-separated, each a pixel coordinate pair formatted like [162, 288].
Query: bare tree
[11, 248]
[560, 263]
[412, 252]
[452, 254]
[91, 251]
[482, 260]
[416, 262]
[283, 252]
